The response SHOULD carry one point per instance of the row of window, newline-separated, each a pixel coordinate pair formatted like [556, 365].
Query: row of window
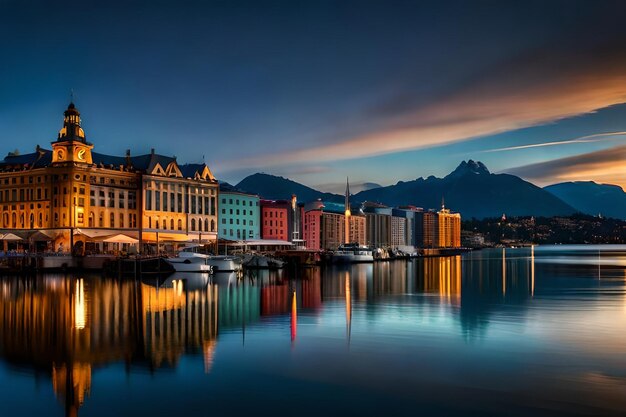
[269, 213]
[240, 233]
[271, 223]
[100, 198]
[237, 201]
[22, 194]
[194, 227]
[250, 222]
[131, 223]
[244, 212]
[174, 202]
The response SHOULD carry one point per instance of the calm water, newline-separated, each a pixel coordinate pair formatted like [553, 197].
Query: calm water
[513, 332]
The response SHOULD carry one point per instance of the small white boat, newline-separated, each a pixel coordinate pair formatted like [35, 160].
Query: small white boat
[352, 253]
[188, 261]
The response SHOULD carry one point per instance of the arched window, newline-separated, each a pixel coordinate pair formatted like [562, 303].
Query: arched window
[193, 225]
[91, 217]
[206, 225]
[5, 219]
[213, 225]
[180, 224]
[31, 219]
[14, 220]
[101, 220]
[22, 220]
[112, 220]
[172, 224]
[40, 220]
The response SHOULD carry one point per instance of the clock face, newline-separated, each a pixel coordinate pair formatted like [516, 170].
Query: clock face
[60, 154]
[81, 154]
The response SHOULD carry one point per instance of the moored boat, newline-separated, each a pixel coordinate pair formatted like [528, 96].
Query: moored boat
[352, 253]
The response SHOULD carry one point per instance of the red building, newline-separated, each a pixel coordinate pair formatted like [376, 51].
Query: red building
[275, 219]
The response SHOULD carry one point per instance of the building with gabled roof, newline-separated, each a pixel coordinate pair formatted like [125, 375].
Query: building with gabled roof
[72, 193]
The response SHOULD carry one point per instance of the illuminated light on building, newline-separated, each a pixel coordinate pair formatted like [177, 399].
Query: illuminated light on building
[448, 228]
[80, 310]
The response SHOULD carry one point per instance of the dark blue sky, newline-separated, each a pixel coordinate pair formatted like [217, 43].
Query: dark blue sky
[380, 91]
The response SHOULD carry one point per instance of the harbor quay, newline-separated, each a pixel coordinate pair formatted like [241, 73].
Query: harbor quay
[69, 206]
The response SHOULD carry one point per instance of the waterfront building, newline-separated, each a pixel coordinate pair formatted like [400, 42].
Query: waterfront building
[449, 228]
[276, 219]
[398, 230]
[378, 224]
[324, 225]
[71, 194]
[281, 220]
[426, 229]
[408, 213]
[239, 214]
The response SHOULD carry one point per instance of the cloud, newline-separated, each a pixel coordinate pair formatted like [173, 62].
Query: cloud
[599, 137]
[604, 166]
[527, 91]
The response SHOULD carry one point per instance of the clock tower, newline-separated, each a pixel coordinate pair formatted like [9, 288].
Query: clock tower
[71, 145]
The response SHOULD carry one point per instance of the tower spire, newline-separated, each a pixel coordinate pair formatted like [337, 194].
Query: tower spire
[347, 213]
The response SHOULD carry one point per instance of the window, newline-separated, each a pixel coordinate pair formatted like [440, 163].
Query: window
[180, 224]
[172, 224]
[157, 201]
[112, 220]
[120, 200]
[193, 224]
[165, 201]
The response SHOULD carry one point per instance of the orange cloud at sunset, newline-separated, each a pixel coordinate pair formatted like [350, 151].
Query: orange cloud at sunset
[606, 166]
[510, 99]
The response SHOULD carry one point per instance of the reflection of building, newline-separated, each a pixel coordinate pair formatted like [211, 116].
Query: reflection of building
[442, 275]
[67, 327]
[70, 186]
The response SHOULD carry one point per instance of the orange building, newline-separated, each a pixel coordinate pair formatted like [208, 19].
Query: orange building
[71, 194]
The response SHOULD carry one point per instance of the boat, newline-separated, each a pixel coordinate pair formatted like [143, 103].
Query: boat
[351, 253]
[188, 261]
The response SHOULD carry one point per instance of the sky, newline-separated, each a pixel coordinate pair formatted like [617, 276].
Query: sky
[380, 91]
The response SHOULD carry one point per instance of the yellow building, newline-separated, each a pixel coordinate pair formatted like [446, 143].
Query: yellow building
[72, 194]
[448, 228]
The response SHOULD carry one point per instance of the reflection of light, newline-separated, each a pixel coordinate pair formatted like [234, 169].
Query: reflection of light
[532, 270]
[294, 317]
[208, 349]
[79, 305]
[348, 308]
[177, 285]
[504, 271]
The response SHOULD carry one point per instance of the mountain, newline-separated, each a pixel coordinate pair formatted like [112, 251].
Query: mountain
[273, 187]
[592, 198]
[474, 192]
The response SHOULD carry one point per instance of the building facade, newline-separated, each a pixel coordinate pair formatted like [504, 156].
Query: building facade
[378, 225]
[449, 229]
[71, 194]
[239, 216]
[324, 225]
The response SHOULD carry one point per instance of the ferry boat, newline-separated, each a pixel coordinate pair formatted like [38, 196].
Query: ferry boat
[351, 253]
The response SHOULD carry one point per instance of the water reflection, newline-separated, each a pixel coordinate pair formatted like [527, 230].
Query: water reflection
[68, 327]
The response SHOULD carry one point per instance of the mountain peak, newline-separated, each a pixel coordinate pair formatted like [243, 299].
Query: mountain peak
[469, 167]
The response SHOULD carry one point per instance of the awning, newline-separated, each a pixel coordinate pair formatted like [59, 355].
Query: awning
[10, 237]
[120, 238]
